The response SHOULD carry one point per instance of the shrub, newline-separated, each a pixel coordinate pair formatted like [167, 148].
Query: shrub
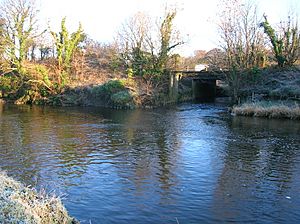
[122, 98]
[109, 88]
[9, 84]
[116, 92]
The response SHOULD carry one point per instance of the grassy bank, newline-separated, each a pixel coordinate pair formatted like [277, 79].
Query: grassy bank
[271, 83]
[268, 109]
[272, 92]
[20, 204]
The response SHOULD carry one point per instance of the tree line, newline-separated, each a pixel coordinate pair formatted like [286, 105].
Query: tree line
[35, 63]
[249, 41]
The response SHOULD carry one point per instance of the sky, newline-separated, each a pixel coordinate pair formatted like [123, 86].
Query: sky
[101, 19]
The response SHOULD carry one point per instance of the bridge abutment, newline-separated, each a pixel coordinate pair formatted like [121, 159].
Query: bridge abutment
[203, 84]
[173, 85]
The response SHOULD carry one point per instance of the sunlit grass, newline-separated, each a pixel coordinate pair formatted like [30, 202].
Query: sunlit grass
[270, 110]
[20, 204]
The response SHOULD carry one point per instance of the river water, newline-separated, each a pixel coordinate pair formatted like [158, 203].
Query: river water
[192, 163]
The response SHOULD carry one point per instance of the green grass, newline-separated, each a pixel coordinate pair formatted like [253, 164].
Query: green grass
[20, 204]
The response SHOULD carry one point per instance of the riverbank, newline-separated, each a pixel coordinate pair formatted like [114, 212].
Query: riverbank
[267, 109]
[124, 93]
[20, 204]
[270, 93]
[271, 84]
[257, 85]
[117, 93]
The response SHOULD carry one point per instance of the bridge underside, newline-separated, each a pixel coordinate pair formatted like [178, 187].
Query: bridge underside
[204, 89]
[203, 84]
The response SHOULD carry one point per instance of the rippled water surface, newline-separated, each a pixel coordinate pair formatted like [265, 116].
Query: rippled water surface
[188, 164]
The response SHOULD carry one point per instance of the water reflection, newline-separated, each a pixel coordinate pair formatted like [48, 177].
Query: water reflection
[191, 162]
[61, 144]
[259, 173]
[1, 107]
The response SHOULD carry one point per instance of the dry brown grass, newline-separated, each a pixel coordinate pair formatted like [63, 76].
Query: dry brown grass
[80, 75]
[269, 111]
[20, 204]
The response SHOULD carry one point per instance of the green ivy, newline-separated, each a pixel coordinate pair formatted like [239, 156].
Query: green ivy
[286, 47]
[66, 45]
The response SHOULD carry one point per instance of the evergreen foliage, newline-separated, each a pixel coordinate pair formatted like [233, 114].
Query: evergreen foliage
[144, 54]
[166, 30]
[66, 45]
[286, 44]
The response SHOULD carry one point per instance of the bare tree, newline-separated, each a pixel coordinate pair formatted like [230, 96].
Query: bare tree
[216, 59]
[135, 43]
[20, 26]
[241, 39]
[197, 58]
[145, 46]
[102, 56]
[240, 35]
[2, 45]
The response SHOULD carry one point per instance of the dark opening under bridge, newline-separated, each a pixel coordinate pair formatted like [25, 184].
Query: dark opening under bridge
[203, 83]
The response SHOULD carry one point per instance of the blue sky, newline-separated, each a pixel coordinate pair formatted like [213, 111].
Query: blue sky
[102, 19]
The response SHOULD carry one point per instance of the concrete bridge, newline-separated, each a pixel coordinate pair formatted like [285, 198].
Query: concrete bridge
[203, 83]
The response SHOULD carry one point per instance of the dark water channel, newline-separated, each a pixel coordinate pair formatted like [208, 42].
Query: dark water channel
[192, 163]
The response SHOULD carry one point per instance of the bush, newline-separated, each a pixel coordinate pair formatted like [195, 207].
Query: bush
[43, 72]
[116, 92]
[109, 88]
[31, 88]
[122, 98]
[9, 84]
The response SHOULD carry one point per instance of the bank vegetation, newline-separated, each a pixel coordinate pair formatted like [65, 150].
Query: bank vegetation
[268, 109]
[42, 66]
[20, 204]
[64, 67]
